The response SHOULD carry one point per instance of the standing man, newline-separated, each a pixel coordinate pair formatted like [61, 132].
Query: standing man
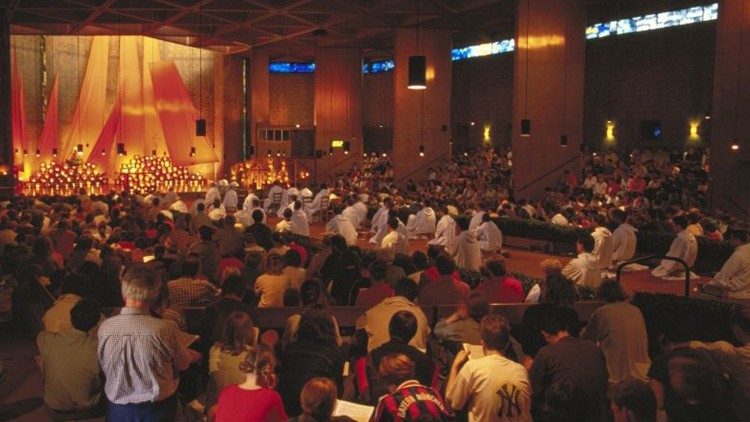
[497, 388]
[230, 197]
[140, 355]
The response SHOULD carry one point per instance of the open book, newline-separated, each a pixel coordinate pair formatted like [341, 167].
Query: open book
[358, 412]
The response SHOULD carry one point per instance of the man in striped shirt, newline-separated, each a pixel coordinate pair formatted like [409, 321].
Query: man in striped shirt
[409, 400]
[140, 355]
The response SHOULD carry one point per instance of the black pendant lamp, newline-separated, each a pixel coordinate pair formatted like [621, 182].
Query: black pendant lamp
[417, 65]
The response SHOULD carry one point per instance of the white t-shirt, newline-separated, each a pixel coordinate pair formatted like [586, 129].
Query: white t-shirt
[496, 388]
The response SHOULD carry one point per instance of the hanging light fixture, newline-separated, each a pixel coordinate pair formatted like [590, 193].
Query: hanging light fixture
[54, 152]
[38, 152]
[707, 116]
[25, 152]
[564, 136]
[269, 153]
[200, 124]
[563, 140]
[417, 65]
[192, 151]
[734, 145]
[421, 150]
[526, 122]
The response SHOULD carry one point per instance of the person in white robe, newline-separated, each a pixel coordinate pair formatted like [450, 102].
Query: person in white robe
[584, 269]
[244, 217]
[624, 240]
[489, 235]
[394, 241]
[464, 248]
[379, 223]
[361, 208]
[305, 193]
[603, 244]
[445, 230]
[423, 222]
[341, 225]
[476, 220]
[275, 190]
[230, 197]
[179, 206]
[217, 212]
[684, 246]
[247, 204]
[300, 225]
[351, 213]
[285, 225]
[287, 200]
[317, 202]
[734, 276]
[212, 194]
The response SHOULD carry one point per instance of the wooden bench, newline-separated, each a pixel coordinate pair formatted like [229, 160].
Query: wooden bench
[346, 316]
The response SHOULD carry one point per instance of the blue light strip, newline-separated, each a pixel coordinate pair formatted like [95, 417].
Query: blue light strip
[651, 22]
[654, 21]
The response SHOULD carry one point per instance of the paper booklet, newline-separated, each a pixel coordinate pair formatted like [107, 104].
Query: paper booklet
[358, 412]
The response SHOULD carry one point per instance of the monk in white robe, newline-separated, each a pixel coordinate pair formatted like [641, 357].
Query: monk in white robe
[275, 190]
[489, 235]
[247, 204]
[394, 241]
[230, 197]
[287, 198]
[445, 231]
[422, 223]
[212, 194]
[351, 214]
[464, 248]
[300, 225]
[684, 246]
[317, 202]
[624, 240]
[734, 276]
[584, 269]
[476, 220]
[379, 223]
[361, 208]
[603, 243]
[341, 225]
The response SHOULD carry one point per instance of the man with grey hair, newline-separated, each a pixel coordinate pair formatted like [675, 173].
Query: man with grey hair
[140, 355]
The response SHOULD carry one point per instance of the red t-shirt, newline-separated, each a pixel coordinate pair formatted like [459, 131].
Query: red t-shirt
[507, 290]
[238, 405]
[229, 262]
[374, 294]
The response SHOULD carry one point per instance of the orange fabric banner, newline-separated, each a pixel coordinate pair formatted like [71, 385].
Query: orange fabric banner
[48, 141]
[18, 115]
[177, 115]
[89, 115]
[153, 134]
[106, 162]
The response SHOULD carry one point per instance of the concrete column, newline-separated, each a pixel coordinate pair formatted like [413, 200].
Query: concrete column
[259, 101]
[731, 110]
[6, 142]
[338, 108]
[549, 74]
[421, 117]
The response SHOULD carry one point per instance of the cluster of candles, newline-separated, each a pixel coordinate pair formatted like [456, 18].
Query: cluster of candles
[281, 175]
[149, 174]
[257, 172]
[66, 179]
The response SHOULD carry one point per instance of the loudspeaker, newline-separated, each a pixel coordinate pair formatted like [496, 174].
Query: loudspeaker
[200, 127]
[318, 153]
[250, 150]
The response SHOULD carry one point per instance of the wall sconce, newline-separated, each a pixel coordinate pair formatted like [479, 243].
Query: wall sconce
[486, 134]
[694, 130]
[734, 144]
[610, 130]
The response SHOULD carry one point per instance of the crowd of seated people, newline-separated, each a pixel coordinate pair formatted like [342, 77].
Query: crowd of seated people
[144, 362]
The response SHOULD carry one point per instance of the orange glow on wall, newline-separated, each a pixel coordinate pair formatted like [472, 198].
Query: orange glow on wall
[536, 42]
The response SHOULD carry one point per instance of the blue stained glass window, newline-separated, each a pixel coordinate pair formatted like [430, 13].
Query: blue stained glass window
[379, 66]
[654, 21]
[480, 50]
[291, 67]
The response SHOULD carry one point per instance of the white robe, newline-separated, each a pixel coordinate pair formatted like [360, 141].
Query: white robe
[286, 200]
[276, 189]
[423, 222]
[465, 251]
[212, 194]
[444, 232]
[230, 199]
[351, 214]
[603, 246]
[284, 226]
[489, 236]
[584, 270]
[316, 204]
[624, 242]
[379, 225]
[305, 193]
[341, 225]
[300, 224]
[685, 247]
[244, 217]
[735, 274]
[395, 242]
[476, 220]
[248, 203]
[361, 209]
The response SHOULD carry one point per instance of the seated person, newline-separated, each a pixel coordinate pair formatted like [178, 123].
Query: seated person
[584, 269]
[402, 328]
[319, 398]
[632, 400]
[499, 287]
[73, 382]
[310, 296]
[463, 325]
[684, 247]
[408, 399]
[255, 399]
[734, 276]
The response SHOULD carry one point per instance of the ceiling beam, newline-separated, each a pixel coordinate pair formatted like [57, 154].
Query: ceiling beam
[92, 16]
